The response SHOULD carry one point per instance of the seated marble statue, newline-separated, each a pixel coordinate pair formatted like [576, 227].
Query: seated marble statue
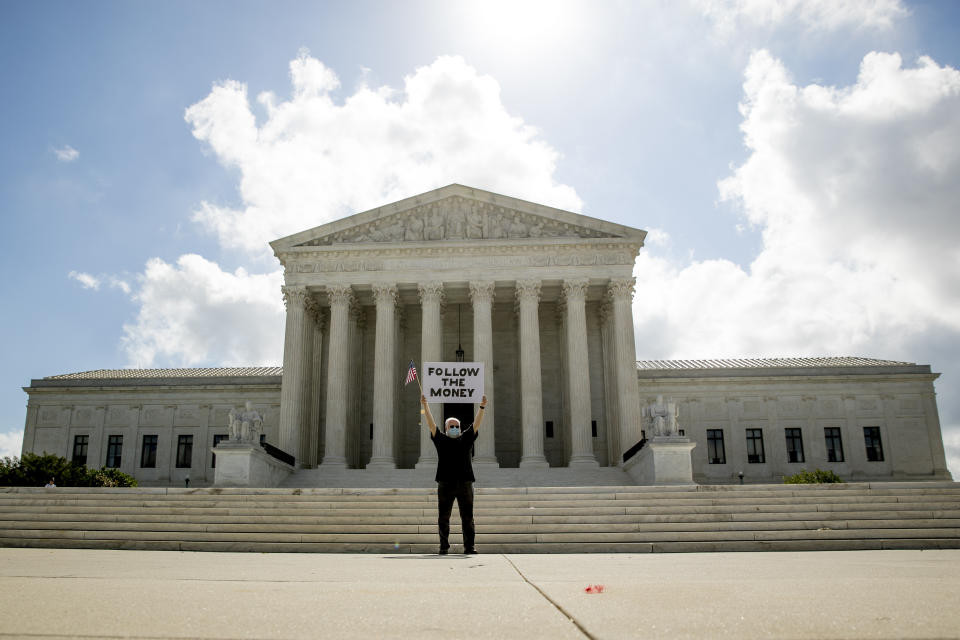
[246, 425]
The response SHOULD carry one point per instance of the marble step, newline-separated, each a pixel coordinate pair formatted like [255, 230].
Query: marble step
[752, 512]
[536, 519]
[557, 500]
[431, 548]
[484, 527]
[488, 538]
[492, 518]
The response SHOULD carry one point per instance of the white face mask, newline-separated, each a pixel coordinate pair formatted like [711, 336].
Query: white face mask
[453, 432]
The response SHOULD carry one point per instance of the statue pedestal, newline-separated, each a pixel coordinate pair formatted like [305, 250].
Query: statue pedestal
[245, 464]
[662, 460]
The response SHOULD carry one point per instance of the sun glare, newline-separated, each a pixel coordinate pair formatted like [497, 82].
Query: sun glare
[524, 26]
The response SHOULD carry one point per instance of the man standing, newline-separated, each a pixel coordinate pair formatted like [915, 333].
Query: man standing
[454, 473]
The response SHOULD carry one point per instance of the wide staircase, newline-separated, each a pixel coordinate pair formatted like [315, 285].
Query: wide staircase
[629, 519]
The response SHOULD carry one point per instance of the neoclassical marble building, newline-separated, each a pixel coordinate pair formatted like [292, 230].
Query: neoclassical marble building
[543, 298]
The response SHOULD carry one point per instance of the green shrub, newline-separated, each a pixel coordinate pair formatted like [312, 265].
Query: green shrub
[817, 476]
[112, 478]
[32, 470]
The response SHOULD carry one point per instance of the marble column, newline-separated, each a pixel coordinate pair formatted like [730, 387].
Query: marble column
[297, 356]
[481, 295]
[609, 384]
[625, 352]
[531, 388]
[311, 437]
[385, 297]
[578, 379]
[356, 434]
[431, 340]
[334, 449]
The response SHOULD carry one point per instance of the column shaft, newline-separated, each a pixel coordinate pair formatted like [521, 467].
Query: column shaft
[609, 385]
[578, 380]
[531, 388]
[334, 450]
[481, 294]
[431, 341]
[628, 397]
[296, 371]
[385, 297]
[311, 437]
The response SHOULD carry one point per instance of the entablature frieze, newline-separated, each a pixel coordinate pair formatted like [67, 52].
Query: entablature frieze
[423, 258]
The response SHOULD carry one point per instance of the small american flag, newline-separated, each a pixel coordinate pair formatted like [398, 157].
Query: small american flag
[411, 373]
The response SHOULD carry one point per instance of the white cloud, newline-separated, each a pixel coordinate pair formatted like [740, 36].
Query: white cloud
[729, 16]
[66, 153]
[315, 159]
[11, 444]
[93, 282]
[193, 312]
[854, 190]
[88, 281]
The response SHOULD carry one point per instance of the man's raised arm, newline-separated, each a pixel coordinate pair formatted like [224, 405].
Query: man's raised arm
[425, 410]
[480, 413]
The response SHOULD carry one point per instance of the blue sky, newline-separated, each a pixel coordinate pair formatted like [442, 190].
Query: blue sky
[795, 164]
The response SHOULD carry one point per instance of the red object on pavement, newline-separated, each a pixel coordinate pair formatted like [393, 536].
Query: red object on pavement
[594, 588]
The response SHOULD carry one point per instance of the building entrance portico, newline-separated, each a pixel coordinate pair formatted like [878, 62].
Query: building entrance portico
[541, 296]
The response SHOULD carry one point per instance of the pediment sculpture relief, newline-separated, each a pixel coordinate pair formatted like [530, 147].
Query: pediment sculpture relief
[458, 218]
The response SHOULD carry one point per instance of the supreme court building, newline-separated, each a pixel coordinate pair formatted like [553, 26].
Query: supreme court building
[543, 297]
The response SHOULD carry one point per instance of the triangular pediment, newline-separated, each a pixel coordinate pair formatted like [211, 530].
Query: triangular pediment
[456, 213]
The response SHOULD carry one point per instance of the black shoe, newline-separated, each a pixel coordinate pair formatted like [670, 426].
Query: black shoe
[471, 551]
[443, 552]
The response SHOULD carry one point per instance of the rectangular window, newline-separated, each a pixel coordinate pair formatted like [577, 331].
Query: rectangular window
[593, 428]
[114, 448]
[794, 445]
[755, 446]
[834, 444]
[217, 438]
[148, 452]
[184, 452]
[548, 428]
[871, 438]
[80, 449]
[715, 449]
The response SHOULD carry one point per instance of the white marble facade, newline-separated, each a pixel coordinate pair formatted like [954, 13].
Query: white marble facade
[541, 296]
[544, 298]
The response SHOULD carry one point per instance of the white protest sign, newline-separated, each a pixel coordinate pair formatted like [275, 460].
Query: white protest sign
[453, 381]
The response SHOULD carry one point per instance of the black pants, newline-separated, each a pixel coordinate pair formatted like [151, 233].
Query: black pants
[462, 492]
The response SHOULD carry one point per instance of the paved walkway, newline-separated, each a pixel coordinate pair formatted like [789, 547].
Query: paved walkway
[158, 594]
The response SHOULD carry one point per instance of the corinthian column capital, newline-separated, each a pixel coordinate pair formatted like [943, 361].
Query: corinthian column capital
[315, 310]
[296, 294]
[528, 290]
[340, 294]
[575, 289]
[385, 293]
[430, 292]
[481, 291]
[621, 288]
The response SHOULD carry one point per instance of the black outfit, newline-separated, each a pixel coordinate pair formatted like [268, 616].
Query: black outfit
[455, 482]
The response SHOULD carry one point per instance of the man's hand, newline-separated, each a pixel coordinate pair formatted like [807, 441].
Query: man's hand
[426, 413]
